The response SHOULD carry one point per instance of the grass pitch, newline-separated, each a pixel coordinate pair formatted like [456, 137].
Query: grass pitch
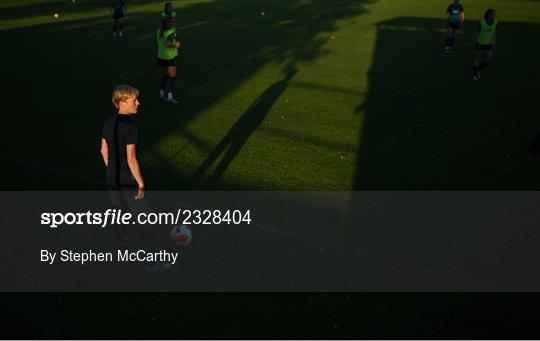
[314, 95]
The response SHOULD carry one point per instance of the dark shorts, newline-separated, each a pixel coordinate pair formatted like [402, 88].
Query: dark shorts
[166, 62]
[118, 16]
[483, 47]
[454, 26]
[119, 179]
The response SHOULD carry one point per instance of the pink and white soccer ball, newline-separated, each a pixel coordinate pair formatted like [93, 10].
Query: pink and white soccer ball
[181, 235]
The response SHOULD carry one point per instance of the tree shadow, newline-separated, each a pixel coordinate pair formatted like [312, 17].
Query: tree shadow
[289, 34]
[428, 126]
[225, 43]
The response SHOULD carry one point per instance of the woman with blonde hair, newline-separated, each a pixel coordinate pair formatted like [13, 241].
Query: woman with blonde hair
[119, 141]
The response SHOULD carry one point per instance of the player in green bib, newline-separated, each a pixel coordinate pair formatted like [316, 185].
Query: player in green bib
[454, 19]
[484, 42]
[167, 51]
[118, 12]
[168, 11]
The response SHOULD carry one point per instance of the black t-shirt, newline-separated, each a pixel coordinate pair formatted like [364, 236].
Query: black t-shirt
[119, 131]
[454, 10]
[118, 7]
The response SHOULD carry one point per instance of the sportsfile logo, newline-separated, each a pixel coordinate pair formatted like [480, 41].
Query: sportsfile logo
[109, 217]
[118, 217]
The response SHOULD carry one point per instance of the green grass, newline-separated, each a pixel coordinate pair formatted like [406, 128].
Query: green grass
[378, 107]
[271, 102]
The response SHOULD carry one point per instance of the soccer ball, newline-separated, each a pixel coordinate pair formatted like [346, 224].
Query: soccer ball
[181, 235]
[55, 15]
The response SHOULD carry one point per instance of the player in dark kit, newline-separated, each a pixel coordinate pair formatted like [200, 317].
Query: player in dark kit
[124, 179]
[118, 12]
[454, 19]
[119, 143]
[484, 42]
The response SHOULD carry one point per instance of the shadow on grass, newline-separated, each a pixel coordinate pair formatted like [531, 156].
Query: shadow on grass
[428, 126]
[62, 76]
[232, 143]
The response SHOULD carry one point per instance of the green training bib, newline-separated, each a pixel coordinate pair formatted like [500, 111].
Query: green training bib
[487, 32]
[165, 52]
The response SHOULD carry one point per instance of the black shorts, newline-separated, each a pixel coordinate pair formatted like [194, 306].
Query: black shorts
[120, 184]
[118, 16]
[166, 62]
[454, 26]
[483, 47]
[119, 179]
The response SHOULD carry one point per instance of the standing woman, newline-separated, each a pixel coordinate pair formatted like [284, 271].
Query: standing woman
[124, 180]
[168, 11]
[118, 12]
[484, 42]
[167, 50]
[454, 19]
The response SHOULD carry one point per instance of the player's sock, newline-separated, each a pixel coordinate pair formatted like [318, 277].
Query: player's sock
[121, 27]
[171, 85]
[451, 42]
[163, 85]
[447, 43]
[475, 70]
[482, 65]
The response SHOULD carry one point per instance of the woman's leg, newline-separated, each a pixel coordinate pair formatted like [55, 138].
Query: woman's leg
[488, 57]
[163, 83]
[476, 63]
[485, 59]
[171, 88]
[120, 26]
[449, 38]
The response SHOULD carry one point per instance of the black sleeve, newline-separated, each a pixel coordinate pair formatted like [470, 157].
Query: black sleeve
[449, 9]
[461, 9]
[132, 136]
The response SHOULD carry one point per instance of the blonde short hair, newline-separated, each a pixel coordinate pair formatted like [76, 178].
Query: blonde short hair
[123, 92]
